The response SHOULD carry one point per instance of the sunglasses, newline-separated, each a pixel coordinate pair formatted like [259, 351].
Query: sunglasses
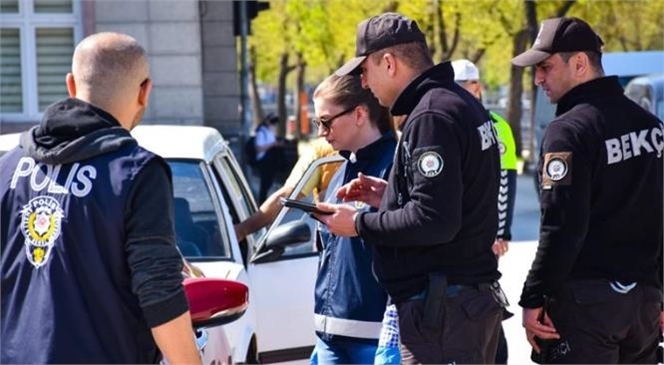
[327, 123]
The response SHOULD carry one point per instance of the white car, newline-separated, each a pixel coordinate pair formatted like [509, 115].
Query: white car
[279, 265]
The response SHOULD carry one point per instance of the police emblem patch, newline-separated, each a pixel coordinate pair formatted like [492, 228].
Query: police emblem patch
[41, 221]
[557, 169]
[430, 164]
[502, 148]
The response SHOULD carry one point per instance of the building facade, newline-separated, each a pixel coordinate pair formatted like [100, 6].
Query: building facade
[190, 45]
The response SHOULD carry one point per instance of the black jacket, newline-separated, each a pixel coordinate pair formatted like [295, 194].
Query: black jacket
[601, 197]
[88, 259]
[439, 213]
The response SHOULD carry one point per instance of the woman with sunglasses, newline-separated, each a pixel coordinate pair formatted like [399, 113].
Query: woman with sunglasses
[349, 302]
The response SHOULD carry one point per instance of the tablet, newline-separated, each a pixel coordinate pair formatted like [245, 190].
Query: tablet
[298, 204]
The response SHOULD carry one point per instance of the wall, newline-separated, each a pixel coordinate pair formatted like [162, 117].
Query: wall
[221, 90]
[170, 32]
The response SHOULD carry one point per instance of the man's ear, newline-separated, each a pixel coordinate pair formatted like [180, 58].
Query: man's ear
[71, 85]
[144, 93]
[581, 64]
[390, 63]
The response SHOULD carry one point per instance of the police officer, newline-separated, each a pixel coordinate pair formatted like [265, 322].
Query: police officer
[433, 232]
[594, 291]
[468, 76]
[90, 272]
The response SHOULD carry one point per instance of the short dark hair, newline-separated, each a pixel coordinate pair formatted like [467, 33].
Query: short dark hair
[414, 54]
[594, 58]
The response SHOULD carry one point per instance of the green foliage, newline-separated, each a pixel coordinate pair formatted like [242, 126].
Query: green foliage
[625, 25]
[324, 30]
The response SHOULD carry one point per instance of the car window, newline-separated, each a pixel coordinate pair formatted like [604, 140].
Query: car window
[311, 188]
[238, 198]
[236, 185]
[197, 219]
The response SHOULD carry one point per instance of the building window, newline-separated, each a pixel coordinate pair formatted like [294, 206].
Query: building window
[37, 39]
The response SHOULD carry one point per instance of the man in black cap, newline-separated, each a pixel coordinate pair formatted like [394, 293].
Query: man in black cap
[437, 221]
[594, 292]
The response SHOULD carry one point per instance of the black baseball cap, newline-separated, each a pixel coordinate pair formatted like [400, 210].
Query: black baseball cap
[379, 32]
[560, 35]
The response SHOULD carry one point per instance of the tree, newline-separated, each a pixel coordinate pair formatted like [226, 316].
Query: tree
[317, 36]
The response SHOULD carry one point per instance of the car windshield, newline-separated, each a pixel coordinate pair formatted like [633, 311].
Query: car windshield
[197, 222]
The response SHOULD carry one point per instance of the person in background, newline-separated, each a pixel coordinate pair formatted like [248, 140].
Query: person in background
[349, 302]
[436, 222]
[269, 153]
[467, 75]
[90, 274]
[594, 291]
[269, 209]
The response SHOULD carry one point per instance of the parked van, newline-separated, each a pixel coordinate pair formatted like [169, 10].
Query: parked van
[648, 91]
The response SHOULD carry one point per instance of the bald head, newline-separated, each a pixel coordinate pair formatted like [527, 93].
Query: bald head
[106, 66]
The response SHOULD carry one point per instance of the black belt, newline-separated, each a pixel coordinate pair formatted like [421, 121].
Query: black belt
[455, 290]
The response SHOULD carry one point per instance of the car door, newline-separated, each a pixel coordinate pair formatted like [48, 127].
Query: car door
[205, 236]
[284, 287]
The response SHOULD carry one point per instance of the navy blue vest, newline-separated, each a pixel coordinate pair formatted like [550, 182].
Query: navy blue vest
[349, 300]
[63, 256]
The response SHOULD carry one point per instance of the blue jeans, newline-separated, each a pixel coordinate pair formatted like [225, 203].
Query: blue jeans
[343, 352]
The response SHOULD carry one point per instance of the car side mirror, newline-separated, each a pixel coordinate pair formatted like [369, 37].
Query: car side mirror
[215, 302]
[288, 234]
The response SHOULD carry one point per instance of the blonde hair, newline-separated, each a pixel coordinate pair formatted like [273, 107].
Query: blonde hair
[347, 91]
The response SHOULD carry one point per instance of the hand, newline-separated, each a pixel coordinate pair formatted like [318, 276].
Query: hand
[341, 222]
[500, 247]
[364, 188]
[534, 328]
[661, 321]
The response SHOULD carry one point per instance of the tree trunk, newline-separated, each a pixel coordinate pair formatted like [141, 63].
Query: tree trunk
[256, 105]
[300, 68]
[514, 106]
[284, 69]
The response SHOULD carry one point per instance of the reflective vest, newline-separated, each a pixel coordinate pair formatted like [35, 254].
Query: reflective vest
[508, 160]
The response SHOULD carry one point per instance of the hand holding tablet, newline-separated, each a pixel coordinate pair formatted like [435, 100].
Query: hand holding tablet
[298, 204]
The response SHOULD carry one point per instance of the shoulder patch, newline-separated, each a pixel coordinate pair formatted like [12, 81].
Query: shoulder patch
[430, 164]
[557, 169]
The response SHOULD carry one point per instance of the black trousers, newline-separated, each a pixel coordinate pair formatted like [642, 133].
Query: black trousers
[599, 325]
[502, 352]
[468, 333]
[268, 167]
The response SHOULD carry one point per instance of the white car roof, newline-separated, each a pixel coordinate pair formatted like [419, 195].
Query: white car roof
[168, 141]
[9, 141]
[179, 141]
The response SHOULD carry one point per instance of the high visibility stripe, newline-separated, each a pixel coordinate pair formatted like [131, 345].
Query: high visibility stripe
[347, 327]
